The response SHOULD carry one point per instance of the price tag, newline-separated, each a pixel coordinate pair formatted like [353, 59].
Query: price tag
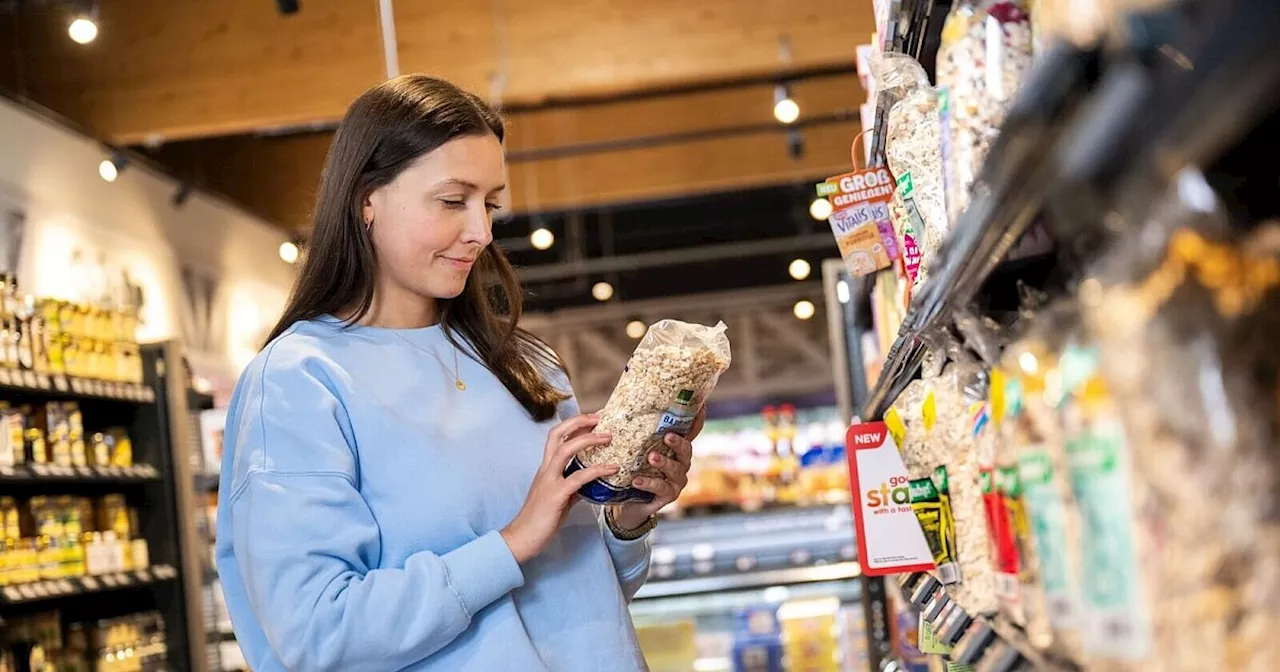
[889, 536]
[29, 378]
[90, 584]
[77, 386]
[11, 594]
[41, 470]
[148, 394]
[66, 587]
[109, 581]
[6, 470]
[143, 575]
[60, 382]
[27, 592]
[164, 572]
[83, 471]
[40, 589]
[119, 390]
[123, 579]
[42, 381]
[5, 377]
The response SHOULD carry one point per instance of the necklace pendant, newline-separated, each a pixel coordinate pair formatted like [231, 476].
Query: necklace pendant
[462, 387]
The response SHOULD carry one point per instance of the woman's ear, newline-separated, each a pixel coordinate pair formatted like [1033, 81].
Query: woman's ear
[367, 208]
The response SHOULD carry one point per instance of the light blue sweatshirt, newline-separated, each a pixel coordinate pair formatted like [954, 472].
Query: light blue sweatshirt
[361, 502]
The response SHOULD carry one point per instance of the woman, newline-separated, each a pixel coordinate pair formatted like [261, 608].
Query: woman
[393, 495]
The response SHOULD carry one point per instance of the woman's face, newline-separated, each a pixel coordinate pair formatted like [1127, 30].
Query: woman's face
[433, 220]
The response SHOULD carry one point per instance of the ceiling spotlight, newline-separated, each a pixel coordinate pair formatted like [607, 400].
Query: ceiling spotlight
[785, 110]
[636, 329]
[602, 291]
[804, 309]
[83, 29]
[289, 252]
[820, 209]
[110, 168]
[799, 269]
[107, 170]
[542, 238]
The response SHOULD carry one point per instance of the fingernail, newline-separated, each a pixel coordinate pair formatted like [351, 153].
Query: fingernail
[641, 482]
[604, 436]
[655, 459]
[671, 439]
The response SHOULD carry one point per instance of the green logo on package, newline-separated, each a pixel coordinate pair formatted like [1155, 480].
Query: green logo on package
[684, 397]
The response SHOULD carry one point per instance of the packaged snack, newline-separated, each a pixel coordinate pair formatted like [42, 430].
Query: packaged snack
[664, 385]
[985, 52]
[913, 152]
[1185, 314]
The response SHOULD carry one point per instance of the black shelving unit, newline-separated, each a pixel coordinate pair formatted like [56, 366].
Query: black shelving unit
[1094, 136]
[1093, 130]
[153, 487]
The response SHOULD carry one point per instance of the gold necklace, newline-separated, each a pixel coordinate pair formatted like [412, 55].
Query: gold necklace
[457, 374]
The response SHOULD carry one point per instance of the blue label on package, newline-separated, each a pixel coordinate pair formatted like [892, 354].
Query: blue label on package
[603, 493]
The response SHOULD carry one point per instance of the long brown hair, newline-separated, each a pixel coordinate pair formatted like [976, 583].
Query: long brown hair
[383, 132]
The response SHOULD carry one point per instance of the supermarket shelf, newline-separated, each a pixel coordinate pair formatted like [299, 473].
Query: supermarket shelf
[978, 641]
[58, 589]
[814, 574]
[71, 387]
[763, 541]
[1090, 127]
[35, 474]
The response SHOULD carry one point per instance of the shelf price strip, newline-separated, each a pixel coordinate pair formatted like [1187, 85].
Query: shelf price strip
[40, 590]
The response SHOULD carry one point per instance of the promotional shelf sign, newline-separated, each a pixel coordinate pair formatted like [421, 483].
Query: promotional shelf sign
[890, 540]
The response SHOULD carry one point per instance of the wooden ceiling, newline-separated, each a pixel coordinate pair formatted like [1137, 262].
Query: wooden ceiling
[609, 100]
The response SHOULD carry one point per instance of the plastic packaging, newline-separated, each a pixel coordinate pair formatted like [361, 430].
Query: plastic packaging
[913, 150]
[984, 55]
[664, 385]
[1185, 317]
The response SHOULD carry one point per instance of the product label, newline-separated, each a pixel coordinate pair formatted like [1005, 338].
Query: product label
[944, 133]
[929, 411]
[912, 227]
[679, 416]
[929, 642]
[1048, 519]
[860, 218]
[1113, 621]
[889, 538]
[935, 521]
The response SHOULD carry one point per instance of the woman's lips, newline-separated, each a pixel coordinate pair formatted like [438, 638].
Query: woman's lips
[459, 263]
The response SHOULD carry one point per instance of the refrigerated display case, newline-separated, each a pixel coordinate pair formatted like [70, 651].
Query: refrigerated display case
[771, 590]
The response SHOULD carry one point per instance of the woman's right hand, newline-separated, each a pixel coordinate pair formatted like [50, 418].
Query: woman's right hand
[552, 493]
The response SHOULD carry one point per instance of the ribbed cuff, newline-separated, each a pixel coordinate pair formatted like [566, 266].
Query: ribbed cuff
[482, 571]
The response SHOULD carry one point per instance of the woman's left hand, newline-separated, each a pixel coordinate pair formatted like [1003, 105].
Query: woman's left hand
[675, 476]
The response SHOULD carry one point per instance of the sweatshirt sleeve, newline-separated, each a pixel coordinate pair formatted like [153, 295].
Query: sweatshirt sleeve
[630, 559]
[307, 545]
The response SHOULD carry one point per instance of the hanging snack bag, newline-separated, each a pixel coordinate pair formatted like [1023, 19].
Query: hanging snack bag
[985, 53]
[930, 492]
[664, 385]
[913, 152]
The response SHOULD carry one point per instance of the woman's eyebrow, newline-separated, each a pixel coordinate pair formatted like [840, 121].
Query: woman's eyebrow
[465, 184]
